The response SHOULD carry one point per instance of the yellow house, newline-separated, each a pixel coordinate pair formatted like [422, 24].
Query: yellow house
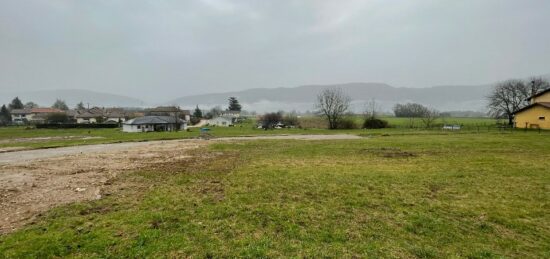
[537, 114]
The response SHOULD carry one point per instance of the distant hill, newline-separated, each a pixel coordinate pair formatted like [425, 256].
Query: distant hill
[471, 98]
[72, 96]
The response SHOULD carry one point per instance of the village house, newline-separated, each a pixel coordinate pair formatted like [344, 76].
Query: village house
[223, 121]
[86, 117]
[98, 115]
[34, 115]
[535, 115]
[154, 123]
[232, 114]
[169, 111]
[115, 115]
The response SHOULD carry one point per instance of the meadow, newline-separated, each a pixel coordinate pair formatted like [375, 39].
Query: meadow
[429, 195]
[31, 138]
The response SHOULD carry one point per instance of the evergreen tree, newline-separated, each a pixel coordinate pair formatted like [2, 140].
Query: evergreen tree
[30, 105]
[60, 104]
[16, 104]
[234, 104]
[80, 106]
[5, 115]
[198, 113]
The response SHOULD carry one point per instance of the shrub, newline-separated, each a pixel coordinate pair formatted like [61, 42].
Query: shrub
[57, 118]
[76, 126]
[347, 123]
[269, 120]
[374, 123]
[291, 119]
[312, 123]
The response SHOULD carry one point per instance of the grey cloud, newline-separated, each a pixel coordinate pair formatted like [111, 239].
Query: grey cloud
[157, 50]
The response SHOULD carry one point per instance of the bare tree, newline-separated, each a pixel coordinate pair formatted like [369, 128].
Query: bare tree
[411, 111]
[371, 109]
[333, 104]
[538, 84]
[429, 116]
[508, 97]
[270, 120]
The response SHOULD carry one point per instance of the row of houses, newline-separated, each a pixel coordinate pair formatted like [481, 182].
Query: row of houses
[93, 115]
[163, 118]
[34, 115]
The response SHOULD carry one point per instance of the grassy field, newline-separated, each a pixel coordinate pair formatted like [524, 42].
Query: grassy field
[47, 138]
[415, 195]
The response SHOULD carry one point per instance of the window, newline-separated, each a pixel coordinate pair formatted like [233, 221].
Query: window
[139, 127]
[541, 118]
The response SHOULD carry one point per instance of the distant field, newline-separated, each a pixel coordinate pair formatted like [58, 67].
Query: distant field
[46, 138]
[399, 196]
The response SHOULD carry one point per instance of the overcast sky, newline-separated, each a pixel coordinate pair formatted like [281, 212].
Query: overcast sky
[158, 50]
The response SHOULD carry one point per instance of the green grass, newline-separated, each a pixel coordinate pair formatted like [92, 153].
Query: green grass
[97, 136]
[10, 136]
[416, 195]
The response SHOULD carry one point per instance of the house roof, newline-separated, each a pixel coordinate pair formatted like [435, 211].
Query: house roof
[164, 109]
[539, 94]
[153, 120]
[45, 110]
[35, 110]
[20, 111]
[72, 113]
[543, 104]
[186, 112]
[87, 114]
[95, 110]
[116, 114]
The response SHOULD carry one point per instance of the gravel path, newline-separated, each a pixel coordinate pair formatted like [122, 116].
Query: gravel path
[29, 155]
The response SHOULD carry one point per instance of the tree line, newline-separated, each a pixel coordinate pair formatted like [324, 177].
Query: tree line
[334, 106]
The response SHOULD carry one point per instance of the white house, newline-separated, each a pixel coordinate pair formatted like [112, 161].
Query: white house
[115, 116]
[87, 117]
[153, 123]
[223, 121]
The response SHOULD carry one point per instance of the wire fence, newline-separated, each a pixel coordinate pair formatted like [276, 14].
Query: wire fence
[484, 128]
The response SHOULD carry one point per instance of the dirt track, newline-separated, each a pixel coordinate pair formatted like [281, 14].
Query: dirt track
[28, 155]
[34, 181]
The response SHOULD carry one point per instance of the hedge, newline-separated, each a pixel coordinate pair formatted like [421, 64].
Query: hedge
[76, 126]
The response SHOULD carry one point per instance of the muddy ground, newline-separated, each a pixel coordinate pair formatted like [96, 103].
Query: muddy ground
[33, 181]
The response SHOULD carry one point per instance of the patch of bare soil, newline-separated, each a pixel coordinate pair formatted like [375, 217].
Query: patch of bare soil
[38, 139]
[28, 189]
[389, 152]
[33, 181]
